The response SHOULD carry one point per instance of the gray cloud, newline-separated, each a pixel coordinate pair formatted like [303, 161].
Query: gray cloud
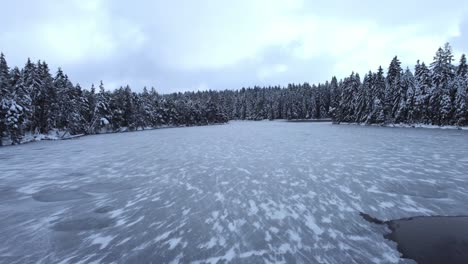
[209, 44]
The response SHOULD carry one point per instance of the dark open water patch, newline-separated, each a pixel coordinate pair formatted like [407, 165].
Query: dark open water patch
[429, 239]
[419, 190]
[7, 193]
[14, 259]
[59, 195]
[83, 224]
[104, 209]
[105, 187]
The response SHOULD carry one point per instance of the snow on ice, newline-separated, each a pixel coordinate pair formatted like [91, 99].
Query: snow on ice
[246, 192]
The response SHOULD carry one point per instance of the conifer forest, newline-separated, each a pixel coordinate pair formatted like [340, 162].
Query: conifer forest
[36, 99]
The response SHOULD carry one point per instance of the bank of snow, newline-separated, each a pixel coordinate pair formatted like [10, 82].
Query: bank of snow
[410, 126]
[56, 134]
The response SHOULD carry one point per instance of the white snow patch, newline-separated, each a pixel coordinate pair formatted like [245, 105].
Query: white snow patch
[253, 208]
[136, 221]
[219, 197]
[173, 242]
[274, 230]
[310, 223]
[103, 241]
[124, 241]
[228, 256]
[244, 171]
[251, 253]
[162, 236]
[386, 205]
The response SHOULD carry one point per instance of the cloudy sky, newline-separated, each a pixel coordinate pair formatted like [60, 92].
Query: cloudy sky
[183, 45]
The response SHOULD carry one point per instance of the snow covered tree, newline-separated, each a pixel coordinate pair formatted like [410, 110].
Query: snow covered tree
[461, 98]
[335, 97]
[348, 103]
[407, 90]
[44, 100]
[422, 93]
[440, 102]
[462, 69]
[393, 91]
[377, 114]
[364, 99]
[103, 113]
[5, 87]
[5, 97]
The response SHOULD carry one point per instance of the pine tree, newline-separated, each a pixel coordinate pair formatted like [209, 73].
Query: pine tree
[462, 69]
[32, 84]
[363, 99]
[440, 102]
[422, 93]
[5, 87]
[45, 102]
[88, 109]
[461, 98]
[11, 113]
[377, 114]
[5, 97]
[347, 109]
[393, 91]
[103, 108]
[406, 97]
[335, 97]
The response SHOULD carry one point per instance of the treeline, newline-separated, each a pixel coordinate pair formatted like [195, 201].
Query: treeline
[434, 94]
[34, 101]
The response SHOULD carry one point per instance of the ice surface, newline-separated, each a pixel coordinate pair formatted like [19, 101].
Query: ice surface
[246, 192]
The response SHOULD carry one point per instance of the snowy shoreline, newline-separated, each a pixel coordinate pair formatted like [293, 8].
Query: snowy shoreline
[408, 126]
[55, 135]
[63, 135]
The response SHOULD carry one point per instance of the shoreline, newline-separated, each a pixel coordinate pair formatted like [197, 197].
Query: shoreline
[425, 126]
[54, 135]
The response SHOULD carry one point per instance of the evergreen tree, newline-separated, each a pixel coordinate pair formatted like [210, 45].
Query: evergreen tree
[335, 96]
[364, 99]
[5, 87]
[462, 69]
[407, 91]
[5, 97]
[377, 113]
[422, 94]
[348, 103]
[394, 90]
[440, 101]
[461, 97]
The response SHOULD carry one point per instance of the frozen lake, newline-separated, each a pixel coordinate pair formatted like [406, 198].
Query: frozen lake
[246, 192]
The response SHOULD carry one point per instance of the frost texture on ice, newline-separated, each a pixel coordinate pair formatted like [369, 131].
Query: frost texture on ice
[247, 192]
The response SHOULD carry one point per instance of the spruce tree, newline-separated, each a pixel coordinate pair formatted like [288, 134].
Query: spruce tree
[5, 98]
[406, 104]
[461, 97]
[377, 114]
[393, 91]
[423, 91]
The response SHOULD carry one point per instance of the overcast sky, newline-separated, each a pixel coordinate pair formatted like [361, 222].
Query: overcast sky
[179, 45]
